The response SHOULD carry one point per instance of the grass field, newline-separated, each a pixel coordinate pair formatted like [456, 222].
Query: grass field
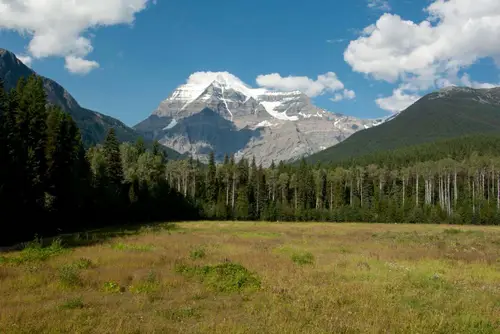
[210, 277]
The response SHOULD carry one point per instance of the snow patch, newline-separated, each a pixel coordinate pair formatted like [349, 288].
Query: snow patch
[225, 102]
[170, 125]
[264, 124]
[271, 109]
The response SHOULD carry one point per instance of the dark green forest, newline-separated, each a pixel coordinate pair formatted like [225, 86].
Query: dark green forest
[431, 191]
[430, 119]
[49, 182]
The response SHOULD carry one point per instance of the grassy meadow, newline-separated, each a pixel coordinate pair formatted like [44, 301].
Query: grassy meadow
[225, 277]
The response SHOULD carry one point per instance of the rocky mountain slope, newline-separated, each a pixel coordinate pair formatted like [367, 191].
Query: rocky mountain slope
[225, 115]
[93, 125]
[449, 113]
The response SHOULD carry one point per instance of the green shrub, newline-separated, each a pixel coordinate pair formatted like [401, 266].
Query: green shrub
[69, 276]
[138, 248]
[452, 231]
[83, 263]
[35, 251]
[112, 287]
[74, 303]
[303, 258]
[197, 253]
[225, 277]
[149, 285]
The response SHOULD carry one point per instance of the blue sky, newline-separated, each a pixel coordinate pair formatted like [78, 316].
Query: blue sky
[140, 63]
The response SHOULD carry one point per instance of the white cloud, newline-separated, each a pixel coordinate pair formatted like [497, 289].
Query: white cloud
[431, 53]
[337, 40]
[78, 65]
[379, 4]
[59, 28]
[26, 60]
[349, 94]
[398, 101]
[345, 95]
[474, 84]
[327, 82]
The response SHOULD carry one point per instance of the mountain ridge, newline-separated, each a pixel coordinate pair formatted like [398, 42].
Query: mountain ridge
[93, 125]
[289, 125]
[444, 114]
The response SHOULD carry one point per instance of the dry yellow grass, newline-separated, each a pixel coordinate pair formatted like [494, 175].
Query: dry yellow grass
[314, 278]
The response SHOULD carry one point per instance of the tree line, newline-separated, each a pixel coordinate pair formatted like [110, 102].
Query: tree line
[434, 191]
[50, 184]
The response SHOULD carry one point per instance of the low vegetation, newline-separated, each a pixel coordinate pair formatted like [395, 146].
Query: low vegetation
[215, 277]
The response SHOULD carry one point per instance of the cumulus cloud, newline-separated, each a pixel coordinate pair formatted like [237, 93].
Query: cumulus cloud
[430, 53]
[475, 84]
[59, 28]
[327, 82]
[79, 65]
[379, 5]
[26, 60]
[398, 101]
[345, 95]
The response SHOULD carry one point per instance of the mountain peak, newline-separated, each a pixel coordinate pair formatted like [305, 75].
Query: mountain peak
[6, 54]
[456, 89]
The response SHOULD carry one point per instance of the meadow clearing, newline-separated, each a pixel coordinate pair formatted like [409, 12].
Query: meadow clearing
[238, 277]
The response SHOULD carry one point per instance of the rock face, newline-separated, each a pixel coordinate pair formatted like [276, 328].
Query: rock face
[225, 115]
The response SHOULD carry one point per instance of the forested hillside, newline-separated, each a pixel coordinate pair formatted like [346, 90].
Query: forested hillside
[456, 148]
[93, 125]
[49, 183]
[449, 113]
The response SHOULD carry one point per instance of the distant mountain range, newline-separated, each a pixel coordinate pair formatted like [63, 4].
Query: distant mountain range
[448, 113]
[225, 115]
[92, 124]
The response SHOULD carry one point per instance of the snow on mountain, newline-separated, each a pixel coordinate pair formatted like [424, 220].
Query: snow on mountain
[218, 111]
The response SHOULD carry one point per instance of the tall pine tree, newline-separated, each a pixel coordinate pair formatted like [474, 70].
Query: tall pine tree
[31, 122]
[114, 170]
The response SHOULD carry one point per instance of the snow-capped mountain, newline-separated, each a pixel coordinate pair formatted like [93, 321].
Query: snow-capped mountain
[223, 114]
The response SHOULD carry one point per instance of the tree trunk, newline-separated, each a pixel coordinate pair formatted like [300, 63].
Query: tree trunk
[194, 185]
[404, 186]
[498, 192]
[416, 192]
[350, 194]
[234, 192]
[455, 189]
[473, 197]
[227, 191]
[331, 196]
[258, 197]
[296, 199]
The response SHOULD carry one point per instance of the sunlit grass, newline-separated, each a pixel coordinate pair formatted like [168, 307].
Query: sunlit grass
[228, 277]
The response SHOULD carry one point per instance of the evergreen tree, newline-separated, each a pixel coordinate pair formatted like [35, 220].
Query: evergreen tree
[114, 170]
[4, 150]
[31, 122]
[67, 169]
[141, 147]
[211, 180]
[112, 155]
